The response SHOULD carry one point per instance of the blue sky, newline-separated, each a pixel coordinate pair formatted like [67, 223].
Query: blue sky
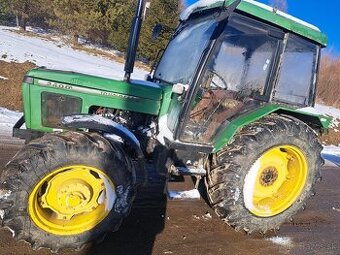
[323, 14]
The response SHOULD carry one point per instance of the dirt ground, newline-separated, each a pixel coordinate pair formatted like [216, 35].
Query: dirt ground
[159, 226]
[10, 88]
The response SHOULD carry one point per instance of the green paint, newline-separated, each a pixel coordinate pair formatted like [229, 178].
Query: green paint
[26, 103]
[276, 19]
[166, 99]
[94, 91]
[245, 119]
[88, 81]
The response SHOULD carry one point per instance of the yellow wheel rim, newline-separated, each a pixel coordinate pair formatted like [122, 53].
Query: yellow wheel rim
[71, 200]
[275, 181]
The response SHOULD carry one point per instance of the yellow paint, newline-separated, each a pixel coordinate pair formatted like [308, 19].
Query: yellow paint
[281, 178]
[66, 202]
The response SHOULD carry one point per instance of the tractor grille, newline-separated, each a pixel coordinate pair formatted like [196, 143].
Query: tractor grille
[54, 106]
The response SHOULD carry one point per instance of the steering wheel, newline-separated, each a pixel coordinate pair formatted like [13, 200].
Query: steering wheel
[215, 84]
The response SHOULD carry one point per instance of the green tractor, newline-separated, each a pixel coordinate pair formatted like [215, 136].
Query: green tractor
[223, 104]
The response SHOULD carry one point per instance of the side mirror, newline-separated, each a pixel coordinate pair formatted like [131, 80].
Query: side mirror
[179, 88]
[156, 31]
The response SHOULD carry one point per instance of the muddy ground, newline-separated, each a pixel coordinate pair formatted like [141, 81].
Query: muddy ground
[159, 226]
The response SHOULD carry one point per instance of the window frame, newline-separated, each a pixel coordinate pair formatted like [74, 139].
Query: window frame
[310, 101]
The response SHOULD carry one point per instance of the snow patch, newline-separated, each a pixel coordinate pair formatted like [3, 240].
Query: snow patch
[4, 194]
[164, 131]
[237, 194]
[322, 110]
[283, 241]
[198, 5]
[331, 154]
[207, 216]
[7, 120]
[325, 110]
[56, 55]
[2, 214]
[187, 194]
[68, 120]
[331, 150]
[336, 209]
[205, 3]
[3, 78]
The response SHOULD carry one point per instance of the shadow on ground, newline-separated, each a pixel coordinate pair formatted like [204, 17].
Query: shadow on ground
[138, 231]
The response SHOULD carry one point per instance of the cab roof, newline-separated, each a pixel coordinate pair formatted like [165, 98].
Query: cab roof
[263, 12]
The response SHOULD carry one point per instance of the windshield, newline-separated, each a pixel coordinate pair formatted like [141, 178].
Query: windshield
[183, 53]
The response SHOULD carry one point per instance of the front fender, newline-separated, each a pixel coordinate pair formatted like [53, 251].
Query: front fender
[107, 126]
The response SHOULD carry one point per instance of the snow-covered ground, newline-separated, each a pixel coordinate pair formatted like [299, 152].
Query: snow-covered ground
[15, 47]
[326, 110]
[7, 120]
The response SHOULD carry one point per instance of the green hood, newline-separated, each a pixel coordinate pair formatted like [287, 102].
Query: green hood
[143, 89]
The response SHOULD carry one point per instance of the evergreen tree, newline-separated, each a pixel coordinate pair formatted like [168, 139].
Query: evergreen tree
[120, 24]
[107, 22]
[22, 9]
[24, 12]
[5, 11]
[75, 17]
[164, 12]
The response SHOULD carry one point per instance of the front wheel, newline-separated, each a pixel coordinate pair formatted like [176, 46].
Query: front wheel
[264, 176]
[64, 191]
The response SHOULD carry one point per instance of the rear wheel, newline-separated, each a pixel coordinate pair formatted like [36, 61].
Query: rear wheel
[66, 190]
[264, 176]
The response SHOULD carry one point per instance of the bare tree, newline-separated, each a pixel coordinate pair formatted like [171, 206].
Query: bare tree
[279, 4]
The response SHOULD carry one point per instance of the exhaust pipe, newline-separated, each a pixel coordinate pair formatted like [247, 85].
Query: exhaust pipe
[133, 40]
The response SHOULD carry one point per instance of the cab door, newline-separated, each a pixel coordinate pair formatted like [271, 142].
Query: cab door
[237, 76]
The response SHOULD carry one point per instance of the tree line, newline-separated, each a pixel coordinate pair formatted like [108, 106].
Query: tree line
[106, 22]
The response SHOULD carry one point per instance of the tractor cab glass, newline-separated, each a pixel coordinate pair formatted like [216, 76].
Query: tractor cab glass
[297, 78]
[183, 53]
[237, 71]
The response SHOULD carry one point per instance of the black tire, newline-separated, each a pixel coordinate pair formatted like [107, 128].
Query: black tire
[38, 159]
[229, 167]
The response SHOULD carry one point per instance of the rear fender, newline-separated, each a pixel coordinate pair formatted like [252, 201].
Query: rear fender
[317, 122]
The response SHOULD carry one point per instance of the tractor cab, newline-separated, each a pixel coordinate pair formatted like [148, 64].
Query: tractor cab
[230, 63]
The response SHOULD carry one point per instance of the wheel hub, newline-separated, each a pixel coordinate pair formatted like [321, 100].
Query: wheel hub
[70, 200]
[72, 193]
[268, 176]
[275, 181]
